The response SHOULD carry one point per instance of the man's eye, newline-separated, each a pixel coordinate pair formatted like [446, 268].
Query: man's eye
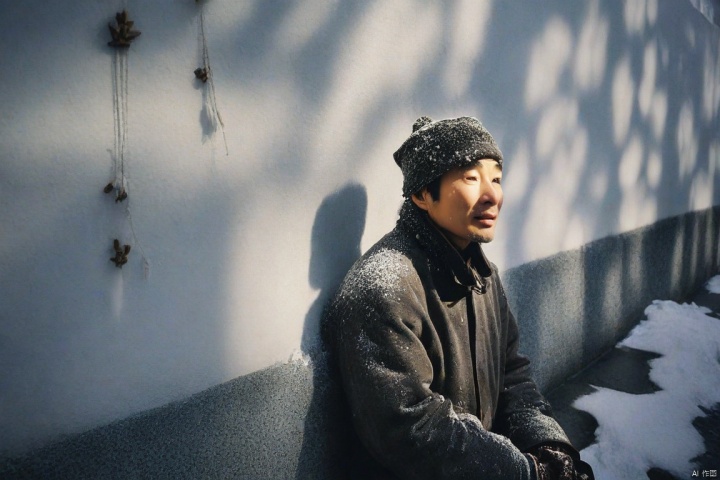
[498, 180]
[471, 178]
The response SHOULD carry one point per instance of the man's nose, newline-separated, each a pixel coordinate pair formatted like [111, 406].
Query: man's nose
[489, 194]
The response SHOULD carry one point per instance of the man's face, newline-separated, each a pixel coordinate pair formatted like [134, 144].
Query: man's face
[469, 203]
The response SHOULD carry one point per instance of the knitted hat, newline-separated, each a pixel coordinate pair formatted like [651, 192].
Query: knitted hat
[435, 148]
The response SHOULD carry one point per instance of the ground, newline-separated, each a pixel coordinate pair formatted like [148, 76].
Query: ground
[650, 408]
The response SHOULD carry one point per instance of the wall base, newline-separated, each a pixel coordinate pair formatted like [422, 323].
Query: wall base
[575, 305]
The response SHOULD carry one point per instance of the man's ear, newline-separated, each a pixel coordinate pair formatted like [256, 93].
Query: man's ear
[422, 199]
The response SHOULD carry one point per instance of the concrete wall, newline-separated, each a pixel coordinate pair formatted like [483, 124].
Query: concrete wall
[272, 424]
[574, 305]
[607, 114]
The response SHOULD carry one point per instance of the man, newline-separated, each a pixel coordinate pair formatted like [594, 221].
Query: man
[423, 337]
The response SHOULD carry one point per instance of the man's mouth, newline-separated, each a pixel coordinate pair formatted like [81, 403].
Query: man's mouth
[486, 219]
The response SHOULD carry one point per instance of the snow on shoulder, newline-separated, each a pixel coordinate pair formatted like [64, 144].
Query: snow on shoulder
[380, 271]
[637, 432]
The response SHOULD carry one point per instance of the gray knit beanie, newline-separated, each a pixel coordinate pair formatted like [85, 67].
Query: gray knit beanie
[435, 148]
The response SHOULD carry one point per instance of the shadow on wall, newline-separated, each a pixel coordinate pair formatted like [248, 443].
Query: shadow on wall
[575, 305]
[268, 424]
[614, 132]
[607, 110]
[336, 235]
[606, 118]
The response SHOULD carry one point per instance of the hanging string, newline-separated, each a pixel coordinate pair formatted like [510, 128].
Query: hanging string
[124, 113]
[213, 113]
[117, 124]
[136, 241]
[123, 142]
[120, 107]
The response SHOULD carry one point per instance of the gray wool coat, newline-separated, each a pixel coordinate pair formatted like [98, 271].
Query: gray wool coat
[427, 352]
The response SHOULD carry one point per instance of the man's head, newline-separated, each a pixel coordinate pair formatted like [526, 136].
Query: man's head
[437, 147]
[452, 169]
[467, 204]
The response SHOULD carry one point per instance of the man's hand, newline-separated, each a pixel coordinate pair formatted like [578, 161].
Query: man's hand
[554, 464]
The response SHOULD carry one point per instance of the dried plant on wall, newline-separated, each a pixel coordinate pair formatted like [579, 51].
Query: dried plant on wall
[121, 253]
[122, 35]
[204, 74]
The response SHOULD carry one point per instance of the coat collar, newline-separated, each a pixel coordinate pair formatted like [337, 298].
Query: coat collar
[418, 224]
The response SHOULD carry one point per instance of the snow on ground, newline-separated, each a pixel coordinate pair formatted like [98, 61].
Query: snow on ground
[713, 285]
[637, 432]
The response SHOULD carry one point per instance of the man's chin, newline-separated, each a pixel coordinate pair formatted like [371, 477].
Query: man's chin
[483, 237]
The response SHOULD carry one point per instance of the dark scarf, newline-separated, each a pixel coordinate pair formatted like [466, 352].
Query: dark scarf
[469, 267]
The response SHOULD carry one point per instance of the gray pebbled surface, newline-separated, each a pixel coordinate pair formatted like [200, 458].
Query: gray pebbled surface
[271, 424]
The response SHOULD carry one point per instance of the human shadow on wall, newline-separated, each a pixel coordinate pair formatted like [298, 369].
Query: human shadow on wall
[336, 235]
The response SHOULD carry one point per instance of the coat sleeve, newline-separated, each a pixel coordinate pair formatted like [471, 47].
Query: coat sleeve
[386, 375]
[523, 414]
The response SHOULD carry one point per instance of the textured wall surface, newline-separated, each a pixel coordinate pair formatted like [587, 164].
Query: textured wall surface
[280, 422]
[575, 305]
[607, 113]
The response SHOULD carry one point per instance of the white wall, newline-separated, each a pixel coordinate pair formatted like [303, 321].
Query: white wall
[607, 114]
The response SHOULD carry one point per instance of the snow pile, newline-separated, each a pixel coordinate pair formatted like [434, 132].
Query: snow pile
[713, 285]
[637, 432]
[299, 358]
